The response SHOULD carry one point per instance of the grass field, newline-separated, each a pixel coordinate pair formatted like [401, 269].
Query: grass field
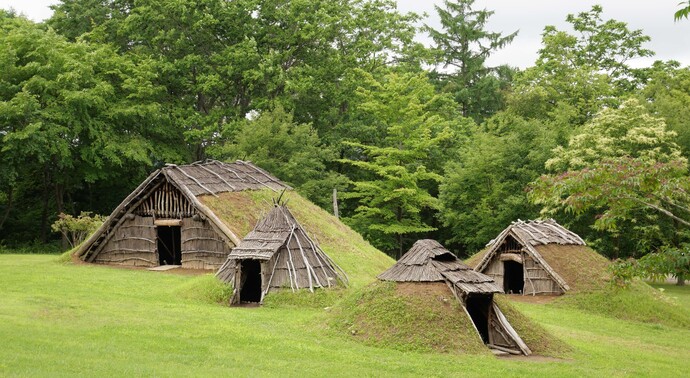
[65, 320]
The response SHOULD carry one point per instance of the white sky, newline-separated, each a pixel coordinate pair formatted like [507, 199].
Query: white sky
[670, 40]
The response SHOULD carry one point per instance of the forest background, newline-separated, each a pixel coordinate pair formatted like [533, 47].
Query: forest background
[419, 141]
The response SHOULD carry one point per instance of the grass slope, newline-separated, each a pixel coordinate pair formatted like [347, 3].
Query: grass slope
[242, 210]
[639, 302]
[408, 316]
[85, 320]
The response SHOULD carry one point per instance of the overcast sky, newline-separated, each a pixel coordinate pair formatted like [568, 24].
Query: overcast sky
[670, 40]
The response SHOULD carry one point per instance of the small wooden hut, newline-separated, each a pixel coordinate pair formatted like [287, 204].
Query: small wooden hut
[523, 257]
[164, 222]
[428, 261]
[277, 254]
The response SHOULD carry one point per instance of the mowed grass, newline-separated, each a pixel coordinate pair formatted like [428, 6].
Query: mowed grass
[66, 320]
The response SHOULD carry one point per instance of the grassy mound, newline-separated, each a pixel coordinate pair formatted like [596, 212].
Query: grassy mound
[410, 317]
[581, 267]
[639, 302]
[241, 210]
[537, 338]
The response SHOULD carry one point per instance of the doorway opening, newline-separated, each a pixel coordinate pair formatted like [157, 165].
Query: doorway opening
[479, 307]
[251, 281]
[513, 277]
[169, 245]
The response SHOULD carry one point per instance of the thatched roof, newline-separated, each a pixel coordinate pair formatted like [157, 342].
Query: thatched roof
[540, 232]
[194, 180]
[299, 262]
[429, 261]
[213, 177]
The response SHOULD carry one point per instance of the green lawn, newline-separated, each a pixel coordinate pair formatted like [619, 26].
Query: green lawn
[60, 319]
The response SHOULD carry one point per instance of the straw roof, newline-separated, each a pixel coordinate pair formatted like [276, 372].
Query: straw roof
[540, 232]
[429, 261]
[213, 177]
[194, 180]
[298, 260]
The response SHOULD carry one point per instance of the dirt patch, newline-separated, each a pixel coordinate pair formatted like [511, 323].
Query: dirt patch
[534, 299]
[532, 358]
[424, 289]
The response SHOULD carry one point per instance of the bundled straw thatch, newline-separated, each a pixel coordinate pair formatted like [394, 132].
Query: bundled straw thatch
[429, 261]
[289, 257]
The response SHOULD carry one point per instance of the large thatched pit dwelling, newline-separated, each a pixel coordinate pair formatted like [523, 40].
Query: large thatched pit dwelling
[165, 222]
[278, 254]
[540, 257]
[428, 263]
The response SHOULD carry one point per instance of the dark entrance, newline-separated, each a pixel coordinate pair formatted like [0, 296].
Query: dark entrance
[169, 245]
[251, 281]
[479, 307]
[513, 277]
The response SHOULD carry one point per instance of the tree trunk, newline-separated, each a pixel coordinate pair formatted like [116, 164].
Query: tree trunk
[60, 207]
[44, 213]
[680, 280]
[9, 207]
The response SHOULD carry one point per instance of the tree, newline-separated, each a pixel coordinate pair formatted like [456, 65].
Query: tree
[291, 151]
[584, 72]
[71, 113]
[462, 48]
[77, 229]
[666, 94]
[629, 131]
[395, 185]
[483, 190]
[219, 60]
[683, 12]
[623, 172]
[674, 261]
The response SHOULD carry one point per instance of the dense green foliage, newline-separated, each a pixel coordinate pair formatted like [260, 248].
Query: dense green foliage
[418, 141]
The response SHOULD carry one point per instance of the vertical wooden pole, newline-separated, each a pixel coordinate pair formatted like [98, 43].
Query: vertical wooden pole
[335, 203]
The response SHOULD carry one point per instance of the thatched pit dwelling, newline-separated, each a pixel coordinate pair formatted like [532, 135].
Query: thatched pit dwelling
[540, 257]
[429, 262]
[277, 254]
[164, 222]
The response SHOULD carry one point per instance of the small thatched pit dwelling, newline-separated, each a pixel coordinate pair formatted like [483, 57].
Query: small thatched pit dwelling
[165, 222]
[277, 254]
[428, 262]
[540, 257]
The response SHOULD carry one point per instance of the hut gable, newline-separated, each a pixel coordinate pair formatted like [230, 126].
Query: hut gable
[285, 255]
[514, 261]
[163, 220]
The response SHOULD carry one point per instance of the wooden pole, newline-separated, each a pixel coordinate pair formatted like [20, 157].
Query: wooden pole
[335, 203]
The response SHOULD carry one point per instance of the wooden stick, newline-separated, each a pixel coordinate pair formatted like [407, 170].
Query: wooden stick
[196, 181]
[504, 349]
[217, 175]
[508, 328]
